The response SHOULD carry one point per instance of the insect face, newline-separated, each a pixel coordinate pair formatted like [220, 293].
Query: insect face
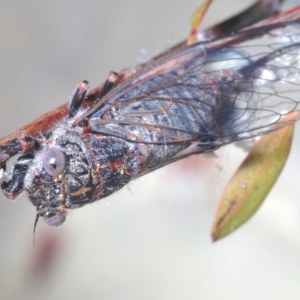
[56, 178]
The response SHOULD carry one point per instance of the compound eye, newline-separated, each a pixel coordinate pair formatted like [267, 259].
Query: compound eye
[54, 220]
[54, 162]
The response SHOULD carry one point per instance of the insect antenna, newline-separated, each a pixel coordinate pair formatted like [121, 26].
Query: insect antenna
[34, 228]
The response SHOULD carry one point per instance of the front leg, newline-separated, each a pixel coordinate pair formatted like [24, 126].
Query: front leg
[23, 144]
[13, 184]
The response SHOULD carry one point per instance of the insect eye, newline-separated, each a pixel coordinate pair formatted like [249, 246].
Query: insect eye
[54, 162]
[54, 220]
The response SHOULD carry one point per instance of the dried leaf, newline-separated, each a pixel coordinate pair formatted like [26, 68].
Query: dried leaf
[196, 21]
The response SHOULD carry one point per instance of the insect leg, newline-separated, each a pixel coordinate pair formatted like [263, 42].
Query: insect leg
[78, 98]
[111, 79]
[21, 144]
[15, 184]
[107, 86]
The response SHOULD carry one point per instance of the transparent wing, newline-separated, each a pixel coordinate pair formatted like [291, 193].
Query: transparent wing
[217, 92]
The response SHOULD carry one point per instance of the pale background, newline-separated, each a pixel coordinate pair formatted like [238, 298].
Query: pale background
[152, 239]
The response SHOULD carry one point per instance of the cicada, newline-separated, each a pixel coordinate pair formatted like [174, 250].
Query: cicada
[233, 84]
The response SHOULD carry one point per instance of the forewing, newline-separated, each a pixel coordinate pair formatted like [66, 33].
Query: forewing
[209, 93]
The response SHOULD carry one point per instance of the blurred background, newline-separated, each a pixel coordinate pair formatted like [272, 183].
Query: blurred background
[151, 240]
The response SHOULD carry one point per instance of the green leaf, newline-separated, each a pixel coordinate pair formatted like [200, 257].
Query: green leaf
[252, 182]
